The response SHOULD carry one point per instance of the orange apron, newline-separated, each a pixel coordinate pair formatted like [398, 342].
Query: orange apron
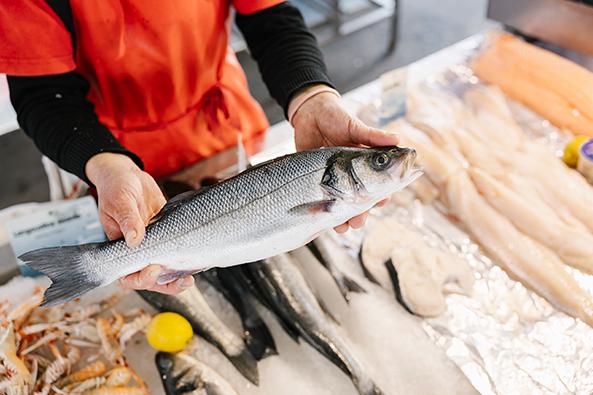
[163, 78]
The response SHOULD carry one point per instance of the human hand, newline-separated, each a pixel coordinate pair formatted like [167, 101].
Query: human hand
[322, 121]
[128, 198]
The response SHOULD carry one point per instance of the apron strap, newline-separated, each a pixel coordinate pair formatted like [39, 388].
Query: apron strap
[64, 10]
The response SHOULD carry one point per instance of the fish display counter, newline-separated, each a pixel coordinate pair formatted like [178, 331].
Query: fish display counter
[476, 278]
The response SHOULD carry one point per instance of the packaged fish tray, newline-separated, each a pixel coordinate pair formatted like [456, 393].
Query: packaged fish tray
[497, 195]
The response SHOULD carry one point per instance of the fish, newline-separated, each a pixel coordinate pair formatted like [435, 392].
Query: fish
[323, 249]
[293, 300]
[268, 209]
[258, 338]
[182, 373]
[192, 305]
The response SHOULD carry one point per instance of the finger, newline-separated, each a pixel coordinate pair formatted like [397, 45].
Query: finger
[174, 287]
[358, 221]
[360, 133]
[343, 228]
[127, 216]
[110, 227]
[144, 279]
[383, 202]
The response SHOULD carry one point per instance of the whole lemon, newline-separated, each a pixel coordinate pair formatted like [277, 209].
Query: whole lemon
[169, 332]
[571, 151]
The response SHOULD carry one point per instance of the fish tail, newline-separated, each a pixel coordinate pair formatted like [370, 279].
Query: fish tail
[259, 340]
[65, 266]
[246, 365]
[350, 285]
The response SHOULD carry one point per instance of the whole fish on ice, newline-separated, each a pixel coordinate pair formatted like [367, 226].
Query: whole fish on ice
[182, 373]
[268, 209]
[193, 306]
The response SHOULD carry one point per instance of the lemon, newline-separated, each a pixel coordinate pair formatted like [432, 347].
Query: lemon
[169, 332]
[571, 151]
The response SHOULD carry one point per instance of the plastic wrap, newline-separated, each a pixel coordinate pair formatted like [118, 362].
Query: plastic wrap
[505, 338]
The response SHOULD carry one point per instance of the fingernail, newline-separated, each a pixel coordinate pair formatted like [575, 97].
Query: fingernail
[131, 235]
[154, 273]
[188, 282]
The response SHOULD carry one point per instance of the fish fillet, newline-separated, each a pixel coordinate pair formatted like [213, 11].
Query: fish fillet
[552, 86]
[524, 259]
[572, 246]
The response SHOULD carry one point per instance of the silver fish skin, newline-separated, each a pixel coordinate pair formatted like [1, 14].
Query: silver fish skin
[268, 209]
[192, 305]
[296, 302]
[182, 373]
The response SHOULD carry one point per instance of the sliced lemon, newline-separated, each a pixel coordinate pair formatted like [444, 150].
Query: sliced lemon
[571, 151]
[169, 332]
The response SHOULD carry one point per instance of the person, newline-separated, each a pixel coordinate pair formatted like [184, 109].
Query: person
[119, 92]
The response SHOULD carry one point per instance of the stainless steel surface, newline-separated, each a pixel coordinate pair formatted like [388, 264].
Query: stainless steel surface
[562, 22]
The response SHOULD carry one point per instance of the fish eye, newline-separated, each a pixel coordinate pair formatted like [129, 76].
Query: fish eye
[380, 161]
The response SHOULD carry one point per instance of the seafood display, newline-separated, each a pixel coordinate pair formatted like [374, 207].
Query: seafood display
[522, 240]
[192, 305]
[70, 349]
[325, 253]
[288, 294]
[266, 210]
[257, 336]
[555, 87]
[182, 373]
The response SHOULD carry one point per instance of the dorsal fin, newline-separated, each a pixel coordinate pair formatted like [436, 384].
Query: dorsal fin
[175, 202]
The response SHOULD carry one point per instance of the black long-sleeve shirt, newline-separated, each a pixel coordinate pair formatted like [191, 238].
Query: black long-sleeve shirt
[54, 111]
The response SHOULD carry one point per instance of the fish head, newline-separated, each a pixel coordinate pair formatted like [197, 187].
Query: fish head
[369, 174]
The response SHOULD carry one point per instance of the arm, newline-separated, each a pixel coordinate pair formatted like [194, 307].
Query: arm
[285, 50]
[54, 112]
[292, 67]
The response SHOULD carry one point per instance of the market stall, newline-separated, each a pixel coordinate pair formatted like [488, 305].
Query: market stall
[474, 279]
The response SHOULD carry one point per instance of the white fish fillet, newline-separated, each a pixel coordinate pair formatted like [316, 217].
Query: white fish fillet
[524, 259]
[426, 274]
[572, 246]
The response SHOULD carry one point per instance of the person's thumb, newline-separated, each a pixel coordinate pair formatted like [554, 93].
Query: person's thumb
[361, 134]
[130, 222]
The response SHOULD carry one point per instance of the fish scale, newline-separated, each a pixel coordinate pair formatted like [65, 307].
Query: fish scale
[268, 209]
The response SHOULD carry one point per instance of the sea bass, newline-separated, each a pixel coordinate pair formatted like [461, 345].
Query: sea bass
[183, 374]
[192, 305]
[268, 209]
[290, 297]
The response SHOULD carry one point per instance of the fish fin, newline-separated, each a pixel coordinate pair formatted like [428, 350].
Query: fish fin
[351, 285]
[168, 276]
[321, 206]
[256, 335]
[344, 282]
[366, 271]
[246, 365]
[396, 288]
[175, 202]
[259, 340]
[250, 274]
[66, 268]
[173, 188]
